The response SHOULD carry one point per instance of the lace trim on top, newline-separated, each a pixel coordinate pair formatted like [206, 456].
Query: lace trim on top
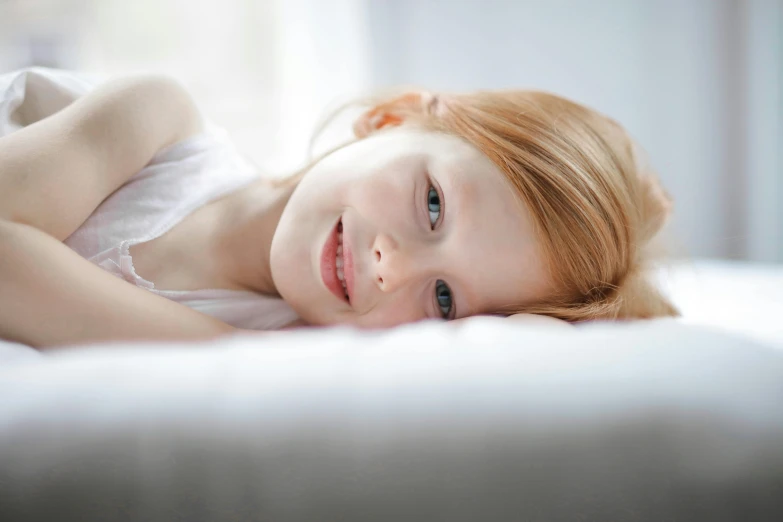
[176, 215]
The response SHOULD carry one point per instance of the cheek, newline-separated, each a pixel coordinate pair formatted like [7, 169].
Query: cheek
[384, 202]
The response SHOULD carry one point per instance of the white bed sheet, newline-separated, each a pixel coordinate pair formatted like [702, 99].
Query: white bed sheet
[426, 421]
[740, 297]
[490, 420]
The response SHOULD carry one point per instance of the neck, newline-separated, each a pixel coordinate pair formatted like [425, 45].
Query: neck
[243, 241]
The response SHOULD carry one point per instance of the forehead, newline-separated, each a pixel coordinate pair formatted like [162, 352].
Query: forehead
[495, 256]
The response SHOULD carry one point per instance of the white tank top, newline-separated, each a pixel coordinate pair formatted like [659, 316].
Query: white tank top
[177, 181]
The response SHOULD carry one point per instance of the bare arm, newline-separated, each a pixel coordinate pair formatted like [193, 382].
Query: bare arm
[56, 171]
[50, 296]
[53, 174]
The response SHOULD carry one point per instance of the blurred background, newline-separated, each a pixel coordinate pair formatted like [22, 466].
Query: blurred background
[699, 83]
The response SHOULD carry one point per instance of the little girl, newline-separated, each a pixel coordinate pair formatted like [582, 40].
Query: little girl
[444, 206]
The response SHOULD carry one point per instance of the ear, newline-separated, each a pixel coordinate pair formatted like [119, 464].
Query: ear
[394, 111]
[656, 206]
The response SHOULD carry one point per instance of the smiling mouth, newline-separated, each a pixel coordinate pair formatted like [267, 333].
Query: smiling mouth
[336, 264]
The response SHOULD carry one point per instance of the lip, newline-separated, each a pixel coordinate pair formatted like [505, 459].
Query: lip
[329, 267]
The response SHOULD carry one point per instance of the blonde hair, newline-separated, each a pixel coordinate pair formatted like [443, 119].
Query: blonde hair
[595, 206]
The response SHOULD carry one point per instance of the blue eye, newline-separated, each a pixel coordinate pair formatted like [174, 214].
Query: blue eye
[433, 205]
[443, 298]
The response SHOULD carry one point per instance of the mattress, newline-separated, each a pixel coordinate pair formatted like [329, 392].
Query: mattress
[488, 420]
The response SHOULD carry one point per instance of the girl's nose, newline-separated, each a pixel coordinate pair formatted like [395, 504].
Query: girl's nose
[394, 266]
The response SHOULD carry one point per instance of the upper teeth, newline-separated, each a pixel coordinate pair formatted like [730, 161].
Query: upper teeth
[339, 259]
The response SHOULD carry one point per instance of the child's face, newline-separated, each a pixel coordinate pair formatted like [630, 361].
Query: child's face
[409, 252]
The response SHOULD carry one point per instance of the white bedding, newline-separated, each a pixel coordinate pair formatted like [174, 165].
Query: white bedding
[490, 421]
[744, 298]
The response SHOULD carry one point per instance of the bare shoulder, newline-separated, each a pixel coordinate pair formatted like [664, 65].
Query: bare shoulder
[56, 171]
